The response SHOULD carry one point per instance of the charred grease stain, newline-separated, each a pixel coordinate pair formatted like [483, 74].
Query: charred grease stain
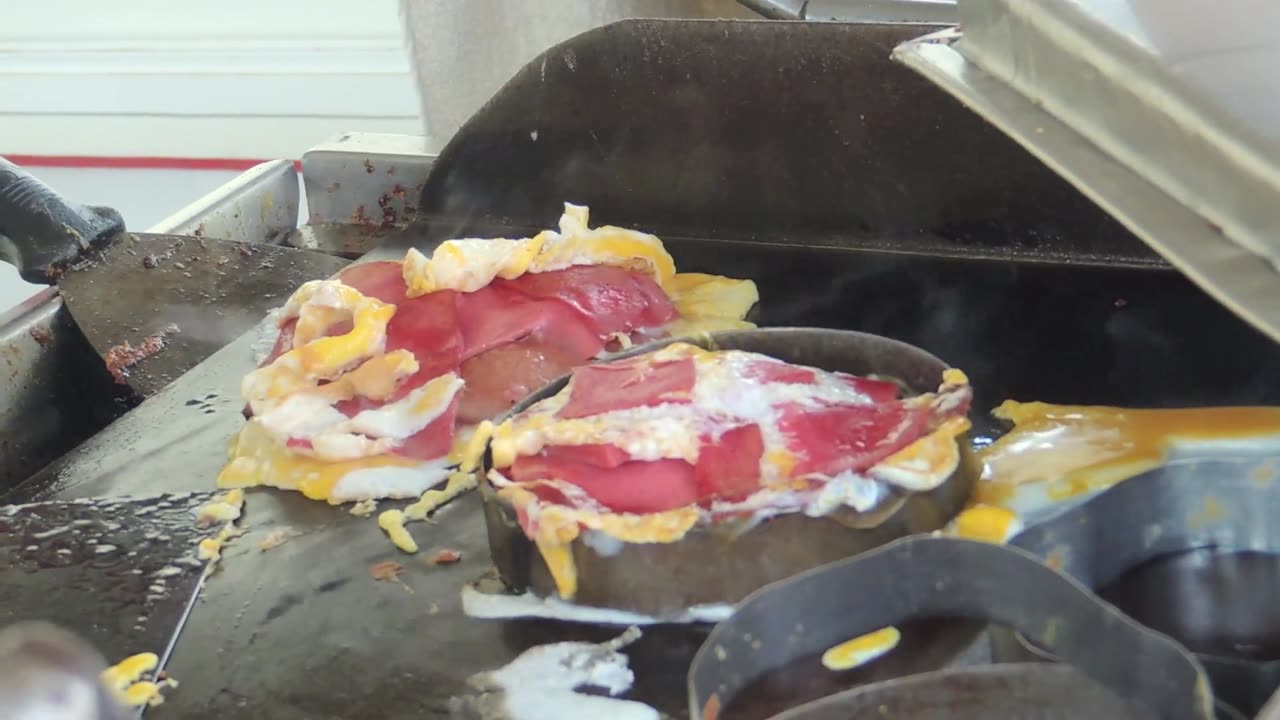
[287, 602]
[331, 585]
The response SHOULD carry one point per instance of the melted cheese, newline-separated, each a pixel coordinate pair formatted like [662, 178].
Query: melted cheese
[861, 650]
[1071, 450]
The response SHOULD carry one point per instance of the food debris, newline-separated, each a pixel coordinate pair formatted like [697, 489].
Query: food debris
[861, 650]
[543, 683]
[386, 571]
[127, 680]
[445, 557]
[222, 509]
[389, 571]
[210, 549]
[365, 508]
[124, 356]
[368, 166]
[275, 538]
[392, 523]
[41, 335]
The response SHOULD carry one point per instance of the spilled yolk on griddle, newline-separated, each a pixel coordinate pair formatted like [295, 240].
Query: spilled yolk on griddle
[1076, 449]
[1071, 450]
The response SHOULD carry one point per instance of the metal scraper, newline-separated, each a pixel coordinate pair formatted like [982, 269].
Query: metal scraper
[152, 305]
[120, 573]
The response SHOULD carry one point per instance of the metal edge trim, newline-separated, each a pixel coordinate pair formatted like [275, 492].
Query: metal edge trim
[1242, 281]
[187, 220]
[1026, 44]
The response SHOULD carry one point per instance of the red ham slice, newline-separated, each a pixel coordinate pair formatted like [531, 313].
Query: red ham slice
[729, 466]
[493, 316]
[497, 379]
[880, 391]
[774, 371]
[848, 437]
[632, 487]
[611, 299]
[629, 384]
[603, 456]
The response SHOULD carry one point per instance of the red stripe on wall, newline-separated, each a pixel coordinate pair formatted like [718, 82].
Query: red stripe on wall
[135, 163]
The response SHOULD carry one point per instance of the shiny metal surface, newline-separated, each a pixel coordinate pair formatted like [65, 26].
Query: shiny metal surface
[1170, 129]
[259, 206]
[119, 573]
[55, 391]
[188, 296]
[462, 53]
[894, 11]
[812, 611]
[1135, 544]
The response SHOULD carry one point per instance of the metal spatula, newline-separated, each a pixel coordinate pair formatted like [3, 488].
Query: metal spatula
[152, 305]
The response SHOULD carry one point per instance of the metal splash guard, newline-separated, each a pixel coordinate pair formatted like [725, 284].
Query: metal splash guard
[1164, 112]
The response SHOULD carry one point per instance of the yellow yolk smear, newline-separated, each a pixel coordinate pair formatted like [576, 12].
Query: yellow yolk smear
[259, 459]
[558, 526]
[1072, 450]
[128, 671]
[470, 264]
[986, 523]
[861, 650]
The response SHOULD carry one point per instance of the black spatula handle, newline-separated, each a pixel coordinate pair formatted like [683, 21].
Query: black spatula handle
[40, 232]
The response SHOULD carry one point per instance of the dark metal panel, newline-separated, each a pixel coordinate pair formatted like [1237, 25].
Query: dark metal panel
[798, 133]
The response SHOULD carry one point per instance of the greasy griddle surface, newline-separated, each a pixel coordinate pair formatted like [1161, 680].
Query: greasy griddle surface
[303, 630]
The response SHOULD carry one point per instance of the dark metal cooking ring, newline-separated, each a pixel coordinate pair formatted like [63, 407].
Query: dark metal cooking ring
[1223, 503]
[920, 577]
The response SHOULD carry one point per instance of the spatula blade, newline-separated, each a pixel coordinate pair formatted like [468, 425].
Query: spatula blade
[154, 306]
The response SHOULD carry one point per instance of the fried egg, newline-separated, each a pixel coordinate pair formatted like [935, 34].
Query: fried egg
[297, 438]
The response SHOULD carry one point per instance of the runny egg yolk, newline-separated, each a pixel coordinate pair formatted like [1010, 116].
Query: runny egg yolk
[1072, 450]
[861, 650]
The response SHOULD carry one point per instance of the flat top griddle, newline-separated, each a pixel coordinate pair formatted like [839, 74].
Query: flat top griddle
[889, 209]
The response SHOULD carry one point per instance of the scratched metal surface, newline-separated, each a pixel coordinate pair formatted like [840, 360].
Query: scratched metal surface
[117, 572]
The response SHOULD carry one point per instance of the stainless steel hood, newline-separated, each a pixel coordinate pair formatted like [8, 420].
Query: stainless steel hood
[1164, 112]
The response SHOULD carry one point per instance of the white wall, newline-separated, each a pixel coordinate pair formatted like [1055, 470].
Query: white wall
[235, 79]
[231, 79]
